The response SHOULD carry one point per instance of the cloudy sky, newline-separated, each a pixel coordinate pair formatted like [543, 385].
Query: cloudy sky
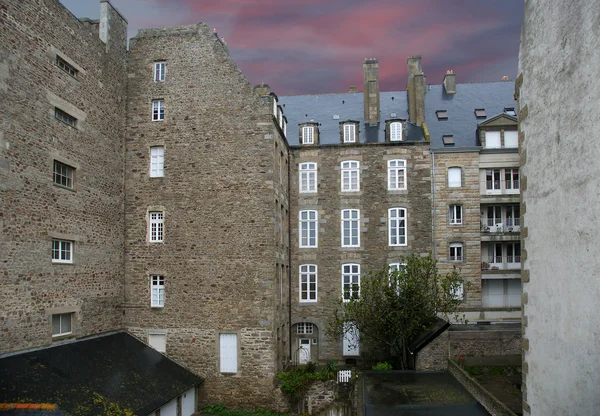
[317, 46]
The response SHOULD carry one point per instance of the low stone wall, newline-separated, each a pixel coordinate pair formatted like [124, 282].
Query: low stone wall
[487, 400]
[319, 396]
[484, 343]
[434, 356]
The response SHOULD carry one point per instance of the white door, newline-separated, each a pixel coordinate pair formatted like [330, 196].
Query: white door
[350, 340]
[304, 351]
[188, 402]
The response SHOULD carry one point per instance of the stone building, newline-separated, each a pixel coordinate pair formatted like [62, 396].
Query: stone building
[559, 102]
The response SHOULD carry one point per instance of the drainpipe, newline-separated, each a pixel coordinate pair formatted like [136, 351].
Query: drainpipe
[289, 255]
[433, 203]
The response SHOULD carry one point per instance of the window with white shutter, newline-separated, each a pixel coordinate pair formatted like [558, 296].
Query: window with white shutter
[511, 139]
[492, 140]
[228, 353]
[157, 162]
[454, 177]
[158, 342]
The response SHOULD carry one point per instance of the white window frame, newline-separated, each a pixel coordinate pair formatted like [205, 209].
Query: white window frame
[397, 232]
[308, 177]
[351, 280]
[157, 162]
[63, 175]
[455, 215]
[395, 131]
[160, 69]
[350, 227]
[228, 367]
[308, 224]
[493, 186]
[304, 328]
[158, 110]
[349, 132]
[308, 135]
[511, 139]
[308, 276]
[157, 291]
[497, 140]
[62, 316]
[156, 229]
[456, 252]
[62, 251]
[350, 175]
[458, 292]
[512, 173]
[397, 175]
[393, 267]
[454, 177]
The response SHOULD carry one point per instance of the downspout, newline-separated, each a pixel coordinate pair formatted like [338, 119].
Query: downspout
[289, 254]
[433, 203]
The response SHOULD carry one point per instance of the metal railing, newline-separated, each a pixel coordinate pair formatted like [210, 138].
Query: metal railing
[510, 184]
[344, 376]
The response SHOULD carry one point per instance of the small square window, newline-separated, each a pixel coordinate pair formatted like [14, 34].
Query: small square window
[304, 328]
[442, 114]
[61, 324]
[65, 66]
[480, 113]
[158, 110]
[63, 175]
[448, 140]
[62, 251]
[64, 117]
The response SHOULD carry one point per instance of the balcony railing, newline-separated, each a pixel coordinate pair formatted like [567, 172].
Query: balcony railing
[501, 263]
[511, 222]
[492, 185]
[492, 225]
[511, 184]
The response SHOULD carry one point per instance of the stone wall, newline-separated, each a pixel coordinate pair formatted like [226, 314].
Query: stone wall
[222, 192]
[373, 200]
[484, 343]
[434, 356]
[33, 210]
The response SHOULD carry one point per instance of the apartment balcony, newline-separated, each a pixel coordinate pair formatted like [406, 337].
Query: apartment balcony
[495, 230]
[501, 192]
[499, 264]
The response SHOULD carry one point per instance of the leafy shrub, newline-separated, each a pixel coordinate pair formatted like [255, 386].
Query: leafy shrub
[295, 382]
[384, 366]
[496, 370]
[473, 370]
[220, 410]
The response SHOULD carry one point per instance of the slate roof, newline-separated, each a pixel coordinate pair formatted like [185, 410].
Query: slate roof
[111, 374]
[461, 123]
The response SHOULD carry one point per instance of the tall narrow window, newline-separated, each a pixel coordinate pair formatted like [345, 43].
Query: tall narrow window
[350, 228]
[396, 175]
[513, 253]
[159, 71]
[350, 176]
[61, 324]
[397, 227]
[513, 216]
[512, 179]
[156, 226]
[308, 177]
[308, 283]
[350, 281]
[308, 229]
[62, 251]
[157, 162]
[349, 133]
[157, 295]
[63, 175]
[455, 214]
[456, 252]
[158, 110]
[454, 177]
[494, 215]
[396, 131]
[228, 353]
[492, 180]
[308, 135]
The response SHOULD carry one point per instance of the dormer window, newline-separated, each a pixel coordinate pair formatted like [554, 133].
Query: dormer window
[349, 133]
[395, 131]
[442, 114]
[308, 135]
[510, 111]
[480, 113]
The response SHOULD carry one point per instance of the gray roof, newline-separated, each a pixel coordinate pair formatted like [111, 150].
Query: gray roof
[494, 97]
[461, 123]
[348, 106]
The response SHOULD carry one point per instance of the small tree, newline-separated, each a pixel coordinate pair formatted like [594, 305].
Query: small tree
[394, 307]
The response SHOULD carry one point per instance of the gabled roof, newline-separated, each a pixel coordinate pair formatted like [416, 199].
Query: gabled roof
[499, 120]
[113, 373]
[347, 106]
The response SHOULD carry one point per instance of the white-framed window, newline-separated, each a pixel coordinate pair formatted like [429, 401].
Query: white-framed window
[63, 175]
[159, 71]
[397, 226]
[158, 342]
[350, 228]
[156, 226]
[492, 140]
[511, 177]
[308, 228]
[65, 117]
[513, 253]
[349, 133]
[454, 177]
[395, 267]
[511, 139]
[158, 110]
[308, 135]
[456, 252]
[157, 162]
[492, 179]
[396, 175]
[350, 176]
[308, 283]
[308, 177]
[157, 291]
[350, 281]
[513, 215]
[65, 66]
[455, 214]
[395, 131]
[457, 291]
[62, 251]
[351, 341]
[304, 328]
[62, 324]
[228, 353]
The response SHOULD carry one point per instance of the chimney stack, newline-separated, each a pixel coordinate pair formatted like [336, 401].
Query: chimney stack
[450, 82]
[263, 89]
[371, 97]
[416, 90]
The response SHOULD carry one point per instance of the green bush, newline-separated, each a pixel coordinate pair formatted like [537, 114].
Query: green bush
[296, 381]
[384, 366]
[473, 370]
[220, 410]
[496, 370]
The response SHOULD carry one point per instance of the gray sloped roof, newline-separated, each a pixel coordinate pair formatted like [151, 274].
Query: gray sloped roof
[462, 123]
[348, 106]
